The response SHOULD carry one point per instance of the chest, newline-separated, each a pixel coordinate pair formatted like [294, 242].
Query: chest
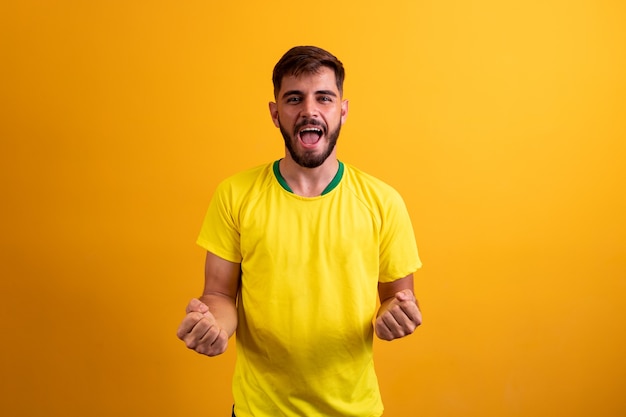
[337, 228]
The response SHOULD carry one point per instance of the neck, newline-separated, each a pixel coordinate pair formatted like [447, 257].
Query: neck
[308, 182]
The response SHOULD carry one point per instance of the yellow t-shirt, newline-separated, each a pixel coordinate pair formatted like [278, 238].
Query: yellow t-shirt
[310, 270]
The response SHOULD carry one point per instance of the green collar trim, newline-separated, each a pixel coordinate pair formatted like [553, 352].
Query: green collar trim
[280, 178]
[331, 186]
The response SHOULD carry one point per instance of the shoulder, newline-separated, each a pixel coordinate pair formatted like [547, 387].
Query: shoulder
[237, 189]
[368, 187]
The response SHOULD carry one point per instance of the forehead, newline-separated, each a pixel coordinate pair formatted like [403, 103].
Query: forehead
[324, 79]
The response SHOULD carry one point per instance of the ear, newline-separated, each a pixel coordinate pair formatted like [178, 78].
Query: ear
[344, 111]
[274, 113]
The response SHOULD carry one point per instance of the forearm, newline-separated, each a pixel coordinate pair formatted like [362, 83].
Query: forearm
[224, 309]
[387, 292]
[399, 313]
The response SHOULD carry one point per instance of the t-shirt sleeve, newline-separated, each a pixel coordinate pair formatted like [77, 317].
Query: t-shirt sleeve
[398, 249]
[220, 230]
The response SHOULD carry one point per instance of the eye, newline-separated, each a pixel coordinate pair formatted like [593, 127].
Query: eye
[325, 99]
[294, 99]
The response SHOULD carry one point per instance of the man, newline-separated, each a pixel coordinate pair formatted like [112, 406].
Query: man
[297, 251]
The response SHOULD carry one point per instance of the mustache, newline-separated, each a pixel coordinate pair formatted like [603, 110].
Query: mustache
[310, 122]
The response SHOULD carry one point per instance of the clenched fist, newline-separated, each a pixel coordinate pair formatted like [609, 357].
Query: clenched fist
[398, 317]
[201, 332]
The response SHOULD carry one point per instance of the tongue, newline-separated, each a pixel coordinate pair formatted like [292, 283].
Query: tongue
[309, 138]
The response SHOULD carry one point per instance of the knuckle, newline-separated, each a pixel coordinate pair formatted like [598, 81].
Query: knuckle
[216, 349]
[209, 336]
[191, 343]
[194, 315]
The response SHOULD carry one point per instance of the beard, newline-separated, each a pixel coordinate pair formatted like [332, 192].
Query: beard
[307, 158]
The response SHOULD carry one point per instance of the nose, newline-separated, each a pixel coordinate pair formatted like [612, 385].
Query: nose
[309, 108]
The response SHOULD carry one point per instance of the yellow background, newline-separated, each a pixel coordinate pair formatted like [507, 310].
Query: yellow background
[502, 123]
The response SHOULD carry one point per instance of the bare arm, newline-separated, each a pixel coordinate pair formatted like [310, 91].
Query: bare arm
[212, 319]
[399, 314]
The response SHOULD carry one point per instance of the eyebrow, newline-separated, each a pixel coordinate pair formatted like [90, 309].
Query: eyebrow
[300, 93]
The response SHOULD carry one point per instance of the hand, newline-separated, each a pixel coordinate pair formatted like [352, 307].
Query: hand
[398, 317]
[200, 331]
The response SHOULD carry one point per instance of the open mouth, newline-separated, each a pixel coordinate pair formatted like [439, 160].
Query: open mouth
[310, 135]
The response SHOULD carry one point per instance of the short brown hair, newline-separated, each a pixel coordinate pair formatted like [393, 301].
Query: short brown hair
[306, 60]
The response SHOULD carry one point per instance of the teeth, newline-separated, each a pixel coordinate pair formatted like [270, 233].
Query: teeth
[310, 129]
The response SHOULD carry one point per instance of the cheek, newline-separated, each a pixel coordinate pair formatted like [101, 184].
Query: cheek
[338, 118]
[284, 118]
